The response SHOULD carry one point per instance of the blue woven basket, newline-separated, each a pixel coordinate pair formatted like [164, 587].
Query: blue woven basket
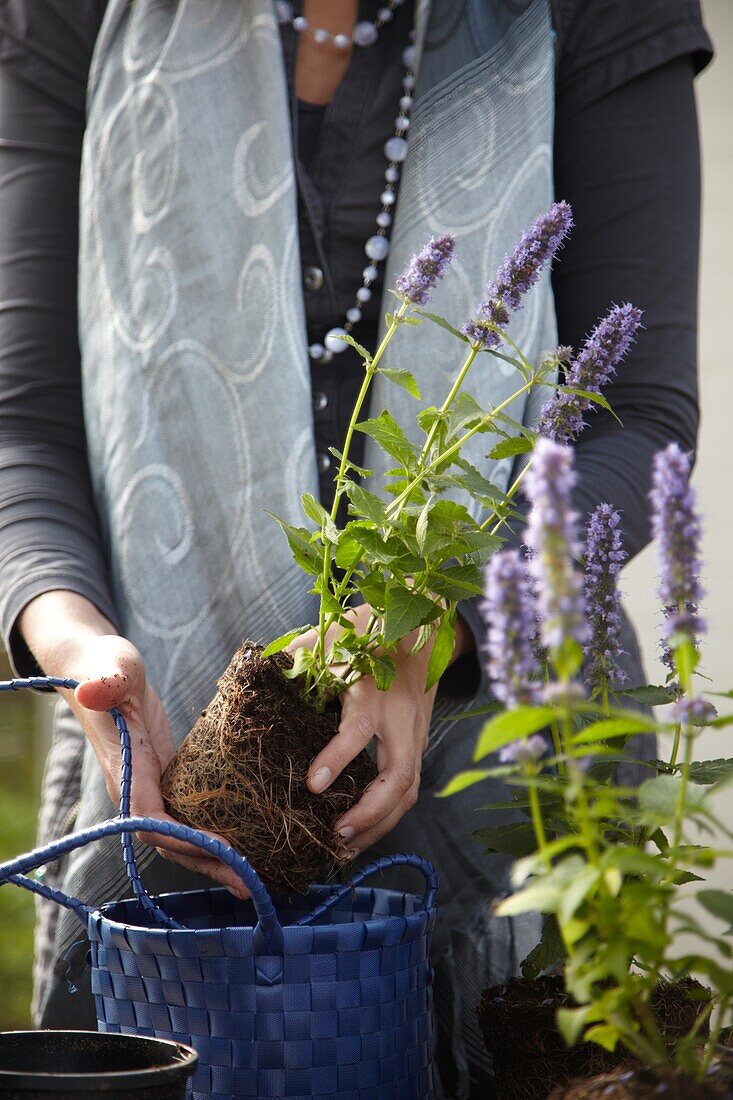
[329, 994]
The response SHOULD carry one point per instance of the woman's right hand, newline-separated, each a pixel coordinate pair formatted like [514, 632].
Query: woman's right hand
[70, 638]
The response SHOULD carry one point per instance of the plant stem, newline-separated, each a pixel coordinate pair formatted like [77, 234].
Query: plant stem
[455, 388]
[537, 822]
[398, 503]
[370, 371]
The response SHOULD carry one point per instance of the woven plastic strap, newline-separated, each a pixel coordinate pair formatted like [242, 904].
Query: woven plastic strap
[128, 852]
[14, 869]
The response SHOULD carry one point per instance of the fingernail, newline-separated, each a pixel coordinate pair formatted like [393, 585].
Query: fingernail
[320, 779]
[347, 832]
[354, 853]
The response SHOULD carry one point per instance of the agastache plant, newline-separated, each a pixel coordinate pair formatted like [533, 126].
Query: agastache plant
[414, 554]
[561, 420]
[606, 863]
[604, 557]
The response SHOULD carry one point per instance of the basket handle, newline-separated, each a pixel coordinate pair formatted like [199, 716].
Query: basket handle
[250, 878]
[14, 870]
[400, 859]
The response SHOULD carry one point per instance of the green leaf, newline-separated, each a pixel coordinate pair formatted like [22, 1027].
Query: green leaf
[457, 582]
[386, 432]
[382, 668]
[719, 903]
[284, 640]
[510, 447]
[304, 552]
[509, 726]
[710, 771]
[548, 953]
[571, 1021]
[462, 780]
[360, 470]
[577, 891]
[516, 839]
[540, 897]
[658, 798]
[348, 552]
[405, 609]
[473, 481]
[605, 1035]
[366, 504]
[347, 339]
[721, 722]
[404, 378]
[442, 323]
[442, 651]
[614, 727]
[651, 695]
[421, 527]
[316, 512]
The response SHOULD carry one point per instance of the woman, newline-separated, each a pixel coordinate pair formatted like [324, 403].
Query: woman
[213, 262]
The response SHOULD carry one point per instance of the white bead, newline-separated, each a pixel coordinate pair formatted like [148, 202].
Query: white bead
[377, 248]
[392, 174]
[365, 34]
[395, 149]
[384, 15]
[300, 23]
[363, 294]
[353, 315]
[406, 102]
[321, 35]
[284, 11]
[370, 273]
[408, 57]
[408, 82]
[402, 124]
[342, 41]
[384, 220]
[332, 341]
[387, 198]
[316, 351]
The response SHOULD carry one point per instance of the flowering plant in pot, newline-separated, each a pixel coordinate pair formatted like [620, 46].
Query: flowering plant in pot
[388, 580]
[610, 865]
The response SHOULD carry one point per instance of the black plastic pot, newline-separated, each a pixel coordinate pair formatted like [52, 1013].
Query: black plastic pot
[85, 1065]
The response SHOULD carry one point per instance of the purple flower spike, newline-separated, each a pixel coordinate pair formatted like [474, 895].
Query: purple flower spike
[519, 272]
[551, 535]
[603, 560]
[523, 750]
[677, 529]
[511, 617]
[561, 420]
[425, 269]
[694, 712]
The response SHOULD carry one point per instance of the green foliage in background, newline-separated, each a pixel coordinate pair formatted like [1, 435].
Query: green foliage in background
[17, 831]
[19, 772]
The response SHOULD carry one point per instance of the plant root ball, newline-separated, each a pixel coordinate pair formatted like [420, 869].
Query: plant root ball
[241, 773]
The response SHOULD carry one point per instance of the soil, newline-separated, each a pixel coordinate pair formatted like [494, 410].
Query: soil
[241, 773]
[530, 1056]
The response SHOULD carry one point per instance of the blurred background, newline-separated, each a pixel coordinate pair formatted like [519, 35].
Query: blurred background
[25, 719]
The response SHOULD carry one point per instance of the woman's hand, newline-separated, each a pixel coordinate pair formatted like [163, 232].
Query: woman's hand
[70, 638]
[398, 719]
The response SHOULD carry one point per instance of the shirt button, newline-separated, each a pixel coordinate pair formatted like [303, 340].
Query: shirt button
[324, 461]
[313, 278]
[320, 400]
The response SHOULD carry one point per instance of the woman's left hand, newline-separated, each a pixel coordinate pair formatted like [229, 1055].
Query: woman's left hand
[398, 719]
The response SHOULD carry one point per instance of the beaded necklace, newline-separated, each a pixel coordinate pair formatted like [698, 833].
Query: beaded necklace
[376, 248]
